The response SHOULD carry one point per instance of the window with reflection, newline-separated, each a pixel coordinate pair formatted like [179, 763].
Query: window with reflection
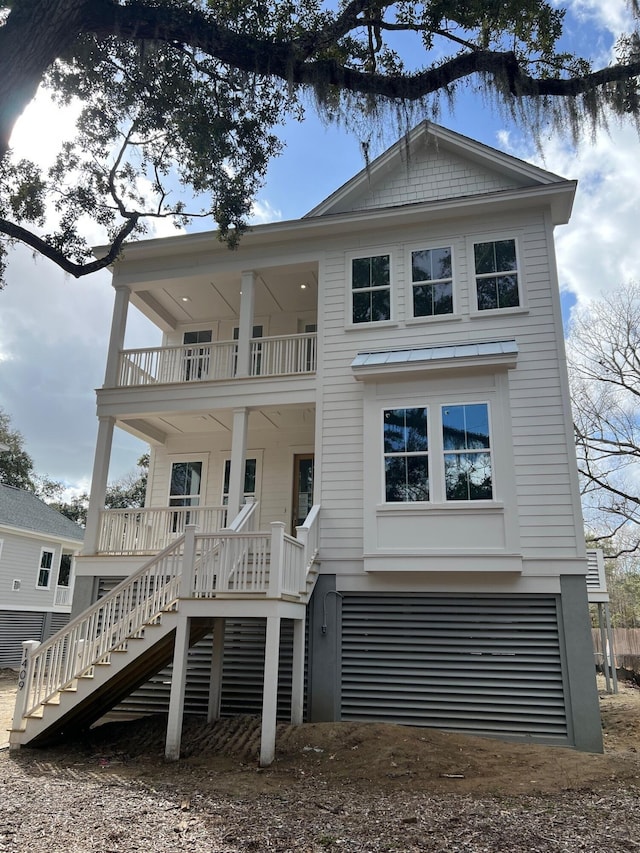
[432, 282]
[249, 480]
[467, 452]
[186, 482]
[496, 267]
[371, 289]
[406, 455]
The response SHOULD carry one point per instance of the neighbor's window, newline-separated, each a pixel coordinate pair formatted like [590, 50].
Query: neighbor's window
[44, 573]
[496, 268]
[467, 454]
[406, 457]
[371, 289]
[432, 281]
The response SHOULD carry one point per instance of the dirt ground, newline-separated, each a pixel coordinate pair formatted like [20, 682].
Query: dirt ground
[348, 786]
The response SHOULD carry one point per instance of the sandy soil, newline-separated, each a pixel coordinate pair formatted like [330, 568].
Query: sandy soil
[361, 788]
[385, 756]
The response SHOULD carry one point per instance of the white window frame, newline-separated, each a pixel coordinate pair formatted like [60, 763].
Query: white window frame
[411, 285]
[423, 453]
[227, 462]
[48, 569]
[455, 402]
[495, 237]
[365, 253]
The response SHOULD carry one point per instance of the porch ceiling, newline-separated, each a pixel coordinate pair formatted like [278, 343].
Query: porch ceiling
[156, 428]
[177, 298]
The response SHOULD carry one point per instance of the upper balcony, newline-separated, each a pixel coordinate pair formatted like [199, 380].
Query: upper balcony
[282, 355]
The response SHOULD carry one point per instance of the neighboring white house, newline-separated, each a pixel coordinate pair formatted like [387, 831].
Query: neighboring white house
[38, 546]
[384, 382]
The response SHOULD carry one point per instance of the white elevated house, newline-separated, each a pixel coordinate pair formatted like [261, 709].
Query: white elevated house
[38, 546]
[362, 474]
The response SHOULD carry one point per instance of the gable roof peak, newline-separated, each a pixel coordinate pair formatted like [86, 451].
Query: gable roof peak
[430, 139]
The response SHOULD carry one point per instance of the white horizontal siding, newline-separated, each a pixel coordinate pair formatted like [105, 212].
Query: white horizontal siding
[541, 464]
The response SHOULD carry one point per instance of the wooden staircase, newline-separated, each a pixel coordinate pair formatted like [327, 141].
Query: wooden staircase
[117, 644]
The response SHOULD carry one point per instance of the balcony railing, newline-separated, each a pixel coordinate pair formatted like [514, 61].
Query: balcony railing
[285, 355]
[148, 530]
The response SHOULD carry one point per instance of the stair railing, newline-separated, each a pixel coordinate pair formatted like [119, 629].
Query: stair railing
[103, 627]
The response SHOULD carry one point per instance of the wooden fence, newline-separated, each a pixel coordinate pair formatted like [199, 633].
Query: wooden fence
[626, 647]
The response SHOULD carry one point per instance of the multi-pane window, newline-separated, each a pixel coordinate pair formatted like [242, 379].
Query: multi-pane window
[496, 267]
[371, 289]
[249, 480]
[186, 482]
[44, 571]
[197, 358]
[467, 454]
[406, 457]
[432, 282]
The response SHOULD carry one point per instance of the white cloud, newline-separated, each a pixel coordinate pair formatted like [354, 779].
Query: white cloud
[262, 211]
[612, 14]
[599, 249]
[42, 128]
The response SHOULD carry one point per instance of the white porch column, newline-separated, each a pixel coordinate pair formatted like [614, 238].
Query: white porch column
[116, 339]
[297, 673]
[178, 685]
[215, 681]
[270, 692]
[238, 456]
[245, 325]
[98, 483]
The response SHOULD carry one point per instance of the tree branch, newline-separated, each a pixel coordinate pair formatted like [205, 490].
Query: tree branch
[288, 60]
[17, 232]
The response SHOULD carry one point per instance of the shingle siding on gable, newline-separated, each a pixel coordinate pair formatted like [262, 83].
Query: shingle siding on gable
[430, 175]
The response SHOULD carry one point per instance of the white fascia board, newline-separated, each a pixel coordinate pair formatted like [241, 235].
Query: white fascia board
[43, 537]
[558, 197]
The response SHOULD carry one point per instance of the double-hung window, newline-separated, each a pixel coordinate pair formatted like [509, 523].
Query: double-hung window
[467, 453]
[44, 570]
[249, 480]
[432, 282]
[496, 272]
[371, 289]
[406, 455]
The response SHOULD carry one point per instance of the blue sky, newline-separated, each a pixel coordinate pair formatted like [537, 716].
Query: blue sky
[54, 329]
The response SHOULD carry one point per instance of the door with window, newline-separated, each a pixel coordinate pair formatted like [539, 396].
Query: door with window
[197, 355]
[184, 491]
[255, 358]
[302, 488]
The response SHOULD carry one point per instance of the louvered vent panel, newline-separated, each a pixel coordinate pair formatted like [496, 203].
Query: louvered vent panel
[16, 626]
[242, 674]
[475, 665]
[58, 621]
[596, 578]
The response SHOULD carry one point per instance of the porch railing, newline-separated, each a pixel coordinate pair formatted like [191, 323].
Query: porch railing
[283, 355]
[195, 566]
[276, 356]
[63, 596]
[150, 529]
[103, 627]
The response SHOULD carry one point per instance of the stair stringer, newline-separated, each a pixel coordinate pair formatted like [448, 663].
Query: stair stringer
[91, 696]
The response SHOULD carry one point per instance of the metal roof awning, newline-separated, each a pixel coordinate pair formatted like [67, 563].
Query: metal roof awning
[492, 354]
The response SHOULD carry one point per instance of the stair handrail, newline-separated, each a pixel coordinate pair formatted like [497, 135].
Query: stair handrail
[309, 534]
[102, 627]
